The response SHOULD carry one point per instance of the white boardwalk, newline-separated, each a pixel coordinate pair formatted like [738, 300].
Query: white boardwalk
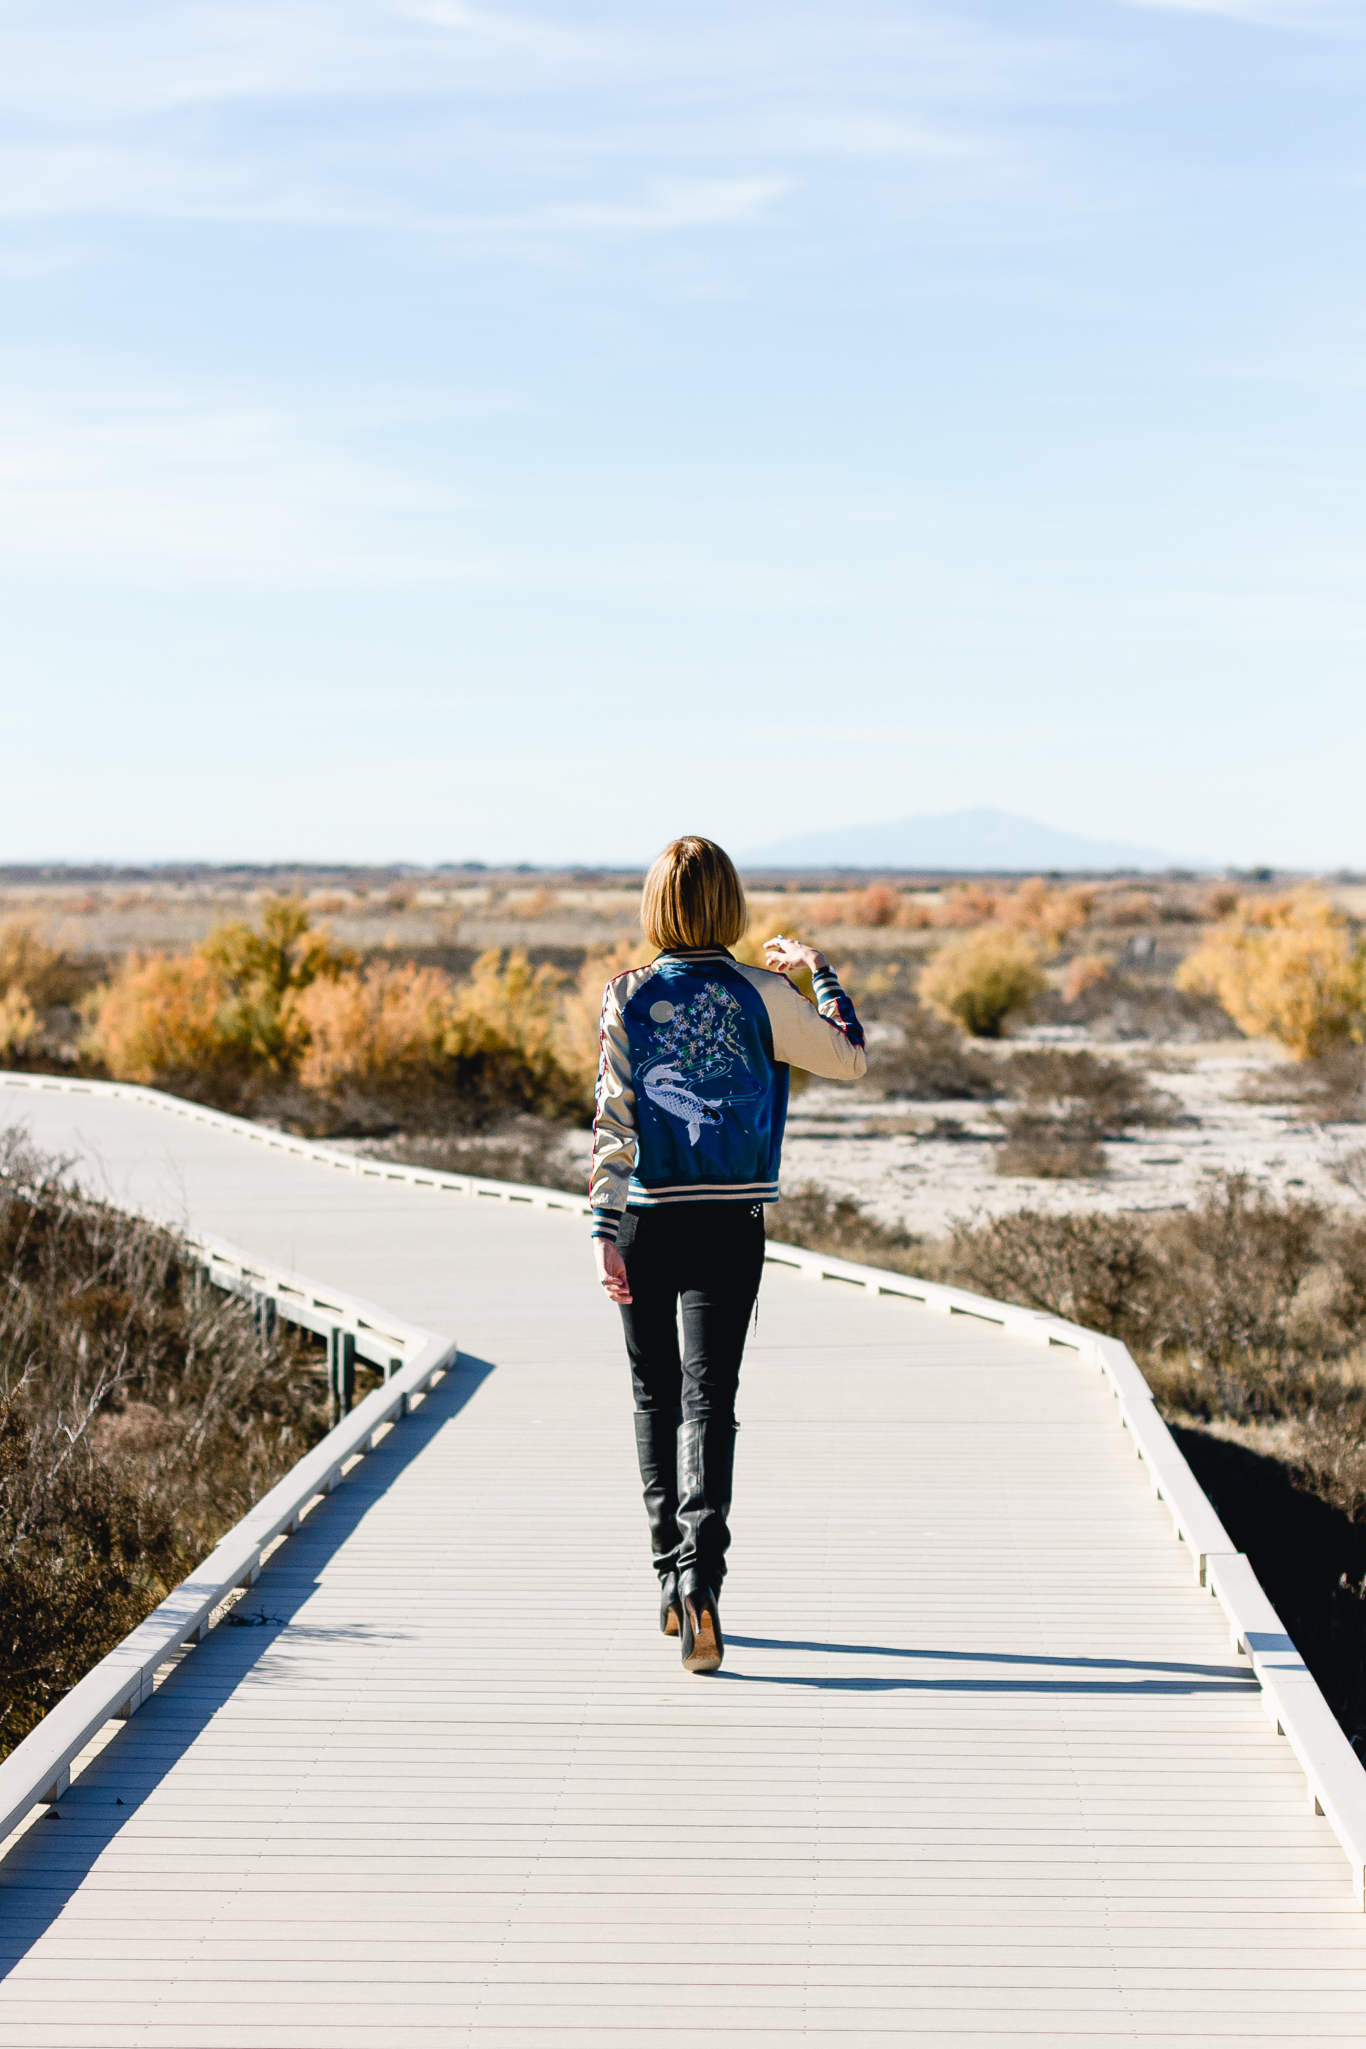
[981, 1767]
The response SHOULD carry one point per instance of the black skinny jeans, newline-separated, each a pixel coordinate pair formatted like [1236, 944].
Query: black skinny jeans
[710, 1257]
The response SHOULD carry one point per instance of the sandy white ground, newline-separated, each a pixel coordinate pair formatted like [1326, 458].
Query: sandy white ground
[925, 1181]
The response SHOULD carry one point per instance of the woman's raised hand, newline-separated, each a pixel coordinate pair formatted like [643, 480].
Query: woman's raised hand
[784, 954]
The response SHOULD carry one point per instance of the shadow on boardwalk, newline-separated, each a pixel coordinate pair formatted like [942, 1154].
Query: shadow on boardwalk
[1149, 1676]
[51, 1860]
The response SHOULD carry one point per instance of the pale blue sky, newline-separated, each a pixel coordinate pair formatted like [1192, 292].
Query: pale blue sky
[434, 431]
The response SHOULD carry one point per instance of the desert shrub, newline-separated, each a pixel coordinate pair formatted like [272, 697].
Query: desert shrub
[160, 1020]
[581, 1006]
[1095, 1270]
[140, 1416]
[221, 1014]
[965, 904]
[382, 1028]
[505, 1044]
[39, 987]
[1330, 1451]
[1095, 1097]
[1242, 1296]
[984, 979]
[821, 1221]
[1087, 971]
[30, 968]
[1052, 915]
[1135, 1006]
[1330, 1089]
[877, 905]
[1285, 968]
[1351, 1171]
[18, 1021]
[263, 974]
[542, 903]
[1048, 1149]
[1132, 907]
[750, 949]
[930, 1060]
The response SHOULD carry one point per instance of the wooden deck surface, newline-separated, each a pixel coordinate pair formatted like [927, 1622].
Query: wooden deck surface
[981, 1767]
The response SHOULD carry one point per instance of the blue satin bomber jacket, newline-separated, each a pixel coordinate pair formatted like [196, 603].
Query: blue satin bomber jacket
[693, 1079]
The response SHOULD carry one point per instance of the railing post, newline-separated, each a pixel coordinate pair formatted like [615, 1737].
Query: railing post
[341, 1371]
[267, 1318]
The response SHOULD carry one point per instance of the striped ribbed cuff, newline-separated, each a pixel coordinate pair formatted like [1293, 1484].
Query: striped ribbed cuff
[606, 1224]
[826, 981]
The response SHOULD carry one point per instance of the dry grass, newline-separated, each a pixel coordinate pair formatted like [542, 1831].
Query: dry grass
[140, 1416]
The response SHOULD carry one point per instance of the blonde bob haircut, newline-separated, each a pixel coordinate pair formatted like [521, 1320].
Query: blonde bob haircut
[693, 897]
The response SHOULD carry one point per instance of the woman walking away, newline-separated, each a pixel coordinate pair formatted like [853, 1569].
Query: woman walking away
[691, 1101]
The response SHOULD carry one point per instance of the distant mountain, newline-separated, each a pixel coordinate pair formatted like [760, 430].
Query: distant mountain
[986, 839]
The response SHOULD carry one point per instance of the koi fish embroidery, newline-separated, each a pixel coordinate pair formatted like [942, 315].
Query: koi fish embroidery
[668, 1091]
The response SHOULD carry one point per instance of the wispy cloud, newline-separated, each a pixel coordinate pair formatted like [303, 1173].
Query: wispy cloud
[1265, 13]
[200, 487]
[432, 113]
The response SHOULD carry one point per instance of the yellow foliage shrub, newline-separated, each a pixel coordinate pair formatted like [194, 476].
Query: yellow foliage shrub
[505, 1039]
[581, 1006]
[18, 1021]
[541, 903]
[984, 978]
[1083, 973]
[750, 949]
[30, 969]
[228, 1004]
[1285, 968]
[966, 904]
[160, 1018]
[264, 972]
[1135, 907]
[876, 905]
[386, 1027]
[1051, 914]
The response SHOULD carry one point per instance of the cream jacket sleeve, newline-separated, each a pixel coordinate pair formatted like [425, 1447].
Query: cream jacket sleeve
[824, 1037]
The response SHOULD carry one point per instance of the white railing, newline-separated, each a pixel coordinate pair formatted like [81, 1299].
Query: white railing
[38, 1769]
[1290, 1694]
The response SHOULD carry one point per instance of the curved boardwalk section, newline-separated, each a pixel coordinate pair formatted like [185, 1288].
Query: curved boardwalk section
[981, 1767]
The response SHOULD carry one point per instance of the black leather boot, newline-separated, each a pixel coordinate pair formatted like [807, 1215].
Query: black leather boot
[706, 1466]
[657, 1451]
[703, 1644]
